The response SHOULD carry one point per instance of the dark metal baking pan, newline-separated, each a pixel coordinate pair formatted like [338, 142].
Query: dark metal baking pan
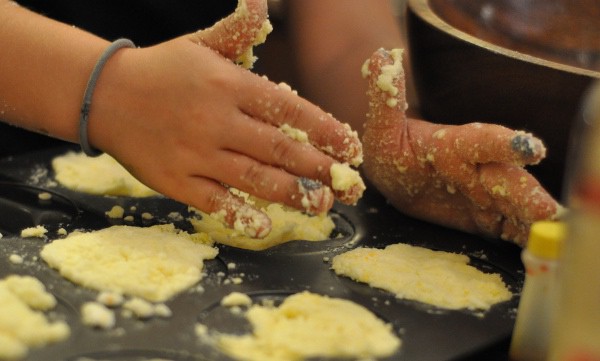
[427, 333]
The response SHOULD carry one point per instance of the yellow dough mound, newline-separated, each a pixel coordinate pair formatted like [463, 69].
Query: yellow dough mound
[287, 225]
[436, 278]
[101, 175]
[154, 263]
[22, 325]
[307, 325]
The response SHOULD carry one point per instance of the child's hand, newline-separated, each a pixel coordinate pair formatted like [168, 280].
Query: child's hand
[468, 177]
[187, 121]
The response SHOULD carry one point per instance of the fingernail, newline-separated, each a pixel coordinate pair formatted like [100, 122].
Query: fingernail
[316, 198]
[527, 145]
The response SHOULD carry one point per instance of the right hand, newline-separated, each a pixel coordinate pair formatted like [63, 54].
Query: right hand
[189, 123]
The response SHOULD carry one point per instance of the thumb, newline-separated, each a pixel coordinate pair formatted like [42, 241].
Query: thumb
[235, 35]
[386, 91]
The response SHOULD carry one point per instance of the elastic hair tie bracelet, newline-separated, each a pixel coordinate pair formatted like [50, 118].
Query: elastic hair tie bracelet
[89, 91]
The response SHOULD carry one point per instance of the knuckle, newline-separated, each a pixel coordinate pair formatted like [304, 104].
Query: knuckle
[291, 112]
[254, 177]
[214, 201]
[282, 151]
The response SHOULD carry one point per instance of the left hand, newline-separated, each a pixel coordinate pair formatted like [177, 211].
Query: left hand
[469, 177]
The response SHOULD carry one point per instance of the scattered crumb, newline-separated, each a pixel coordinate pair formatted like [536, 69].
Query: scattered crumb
[141, 308]
[15, 259]
[115, 212]
[37, 231]
[201, 330]
[236, 299]
[175, 216]
[44, 196]
[147, 216]
[110, 299]
[96, 314]
[62, 232]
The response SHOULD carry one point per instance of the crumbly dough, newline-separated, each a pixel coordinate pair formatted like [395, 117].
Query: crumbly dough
[101, 175]
[37, 231]
[344, 178]
[95, 314]
[22, 325]
[287, 224]
[294, 133]
[236, 299]
[436, 278]
[154, 263]
[307, 325]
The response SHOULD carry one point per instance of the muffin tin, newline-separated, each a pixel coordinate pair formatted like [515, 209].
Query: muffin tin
[427, 333]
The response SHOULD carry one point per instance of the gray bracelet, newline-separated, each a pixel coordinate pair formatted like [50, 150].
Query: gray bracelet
[89, 90]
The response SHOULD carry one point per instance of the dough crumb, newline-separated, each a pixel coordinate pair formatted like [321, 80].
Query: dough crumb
[143, 309]
[44, 196]
[15, 259]
[115, 212]
[294, 133]
[95, 314]
[110, 299]
[37, 231]
[236, 299]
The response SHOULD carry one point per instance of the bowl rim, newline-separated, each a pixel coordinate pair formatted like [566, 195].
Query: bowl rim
[423, 10]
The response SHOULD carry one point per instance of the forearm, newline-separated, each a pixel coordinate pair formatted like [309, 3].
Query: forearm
[44, 70]
[333, 40]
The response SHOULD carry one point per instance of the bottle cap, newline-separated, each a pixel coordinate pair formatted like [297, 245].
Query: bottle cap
[546, 238]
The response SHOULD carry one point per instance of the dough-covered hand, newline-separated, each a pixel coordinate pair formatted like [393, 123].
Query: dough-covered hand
[469, 177]
[188, 121]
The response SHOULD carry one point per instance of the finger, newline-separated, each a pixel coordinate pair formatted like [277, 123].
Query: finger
[485, 143]
[287, 148]
[235, 35]
[519, 197]
[279, 105]
[214, 199]
[386, 90]
[273, 184]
